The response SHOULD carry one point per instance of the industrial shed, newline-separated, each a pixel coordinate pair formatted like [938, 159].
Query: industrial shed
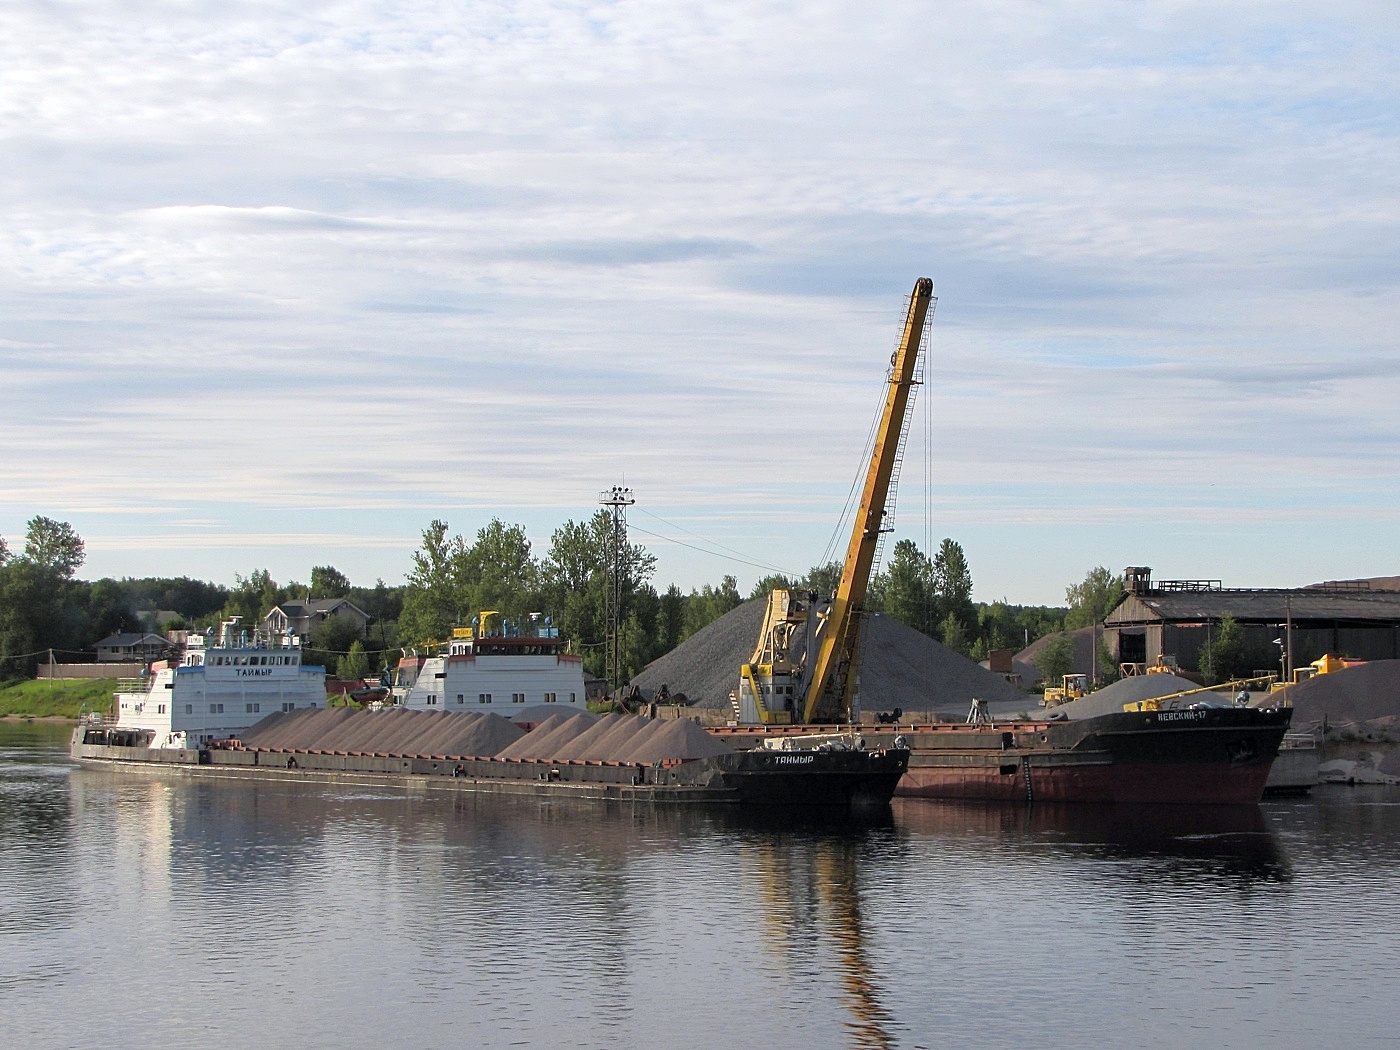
[1174, 619]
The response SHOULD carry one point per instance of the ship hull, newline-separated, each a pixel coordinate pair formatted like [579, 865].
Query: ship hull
[1211, 756]
[1219, 756]
[827, 780]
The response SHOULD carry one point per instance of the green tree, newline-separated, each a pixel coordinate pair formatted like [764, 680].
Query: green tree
[53, 546]
[498, 572]
[1093, 599]
[252, 597]
[766, 586]
[952, 584]
[708, 604]
[575, 585]
[328, 582]
[41, 605]
[1056, 659]
[953, 634]
[824, 579]
[331, 640]
[432, 603]
[108, 610]
[670, 620]
[908, 591]
[1224, 656]
[354, 664]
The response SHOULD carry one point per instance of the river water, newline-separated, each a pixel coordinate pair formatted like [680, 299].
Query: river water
[156, 910]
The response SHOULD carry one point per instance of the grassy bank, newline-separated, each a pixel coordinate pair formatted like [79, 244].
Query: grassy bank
[56, 699]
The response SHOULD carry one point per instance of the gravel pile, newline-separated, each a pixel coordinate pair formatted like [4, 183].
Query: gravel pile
[900, 667]
[1356, 694]
[394, 732]
[1110, 699]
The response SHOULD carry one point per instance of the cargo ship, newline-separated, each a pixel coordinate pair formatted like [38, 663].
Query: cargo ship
[1194, 755]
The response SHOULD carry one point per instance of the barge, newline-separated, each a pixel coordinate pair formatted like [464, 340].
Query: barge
[1196, 755]
[826, 776]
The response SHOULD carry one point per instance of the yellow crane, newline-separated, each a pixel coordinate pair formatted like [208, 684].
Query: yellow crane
[803, 668]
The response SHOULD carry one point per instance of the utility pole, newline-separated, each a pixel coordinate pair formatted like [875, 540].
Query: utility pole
[617, 499]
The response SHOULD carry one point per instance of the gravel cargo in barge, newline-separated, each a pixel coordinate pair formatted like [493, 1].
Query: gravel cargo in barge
[649, 761]
[1199, 755]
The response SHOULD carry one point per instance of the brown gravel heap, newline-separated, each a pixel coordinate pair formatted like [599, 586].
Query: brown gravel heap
[549, 735]
[393, 732]
[680, 738]
[900, 667]
[620, 738]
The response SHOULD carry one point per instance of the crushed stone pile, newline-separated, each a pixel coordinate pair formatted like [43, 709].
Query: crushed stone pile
[1083, 662]
[464, 735]
[899, 667]
[1362, 693]
[1110, 699]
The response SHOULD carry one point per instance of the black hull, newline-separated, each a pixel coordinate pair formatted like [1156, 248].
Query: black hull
[831, 780]
[1203, 756]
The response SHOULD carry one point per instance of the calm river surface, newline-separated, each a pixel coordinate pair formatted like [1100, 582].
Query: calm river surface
[153, 910]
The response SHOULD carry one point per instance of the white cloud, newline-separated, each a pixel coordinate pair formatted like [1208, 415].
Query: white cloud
[500, 255]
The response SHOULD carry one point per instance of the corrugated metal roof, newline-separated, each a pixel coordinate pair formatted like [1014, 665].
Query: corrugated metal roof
[1369, 607]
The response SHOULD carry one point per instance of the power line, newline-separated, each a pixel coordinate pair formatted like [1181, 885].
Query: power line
[716, 554]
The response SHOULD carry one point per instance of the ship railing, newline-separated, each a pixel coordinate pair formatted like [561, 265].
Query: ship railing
[133, 685]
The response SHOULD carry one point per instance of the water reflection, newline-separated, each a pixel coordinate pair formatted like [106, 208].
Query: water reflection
[354, 917]
[1210, 844]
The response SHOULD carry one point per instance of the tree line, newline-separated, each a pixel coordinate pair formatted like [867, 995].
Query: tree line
[452, 577]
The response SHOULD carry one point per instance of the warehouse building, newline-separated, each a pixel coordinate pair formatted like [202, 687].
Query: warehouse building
[1171, 621]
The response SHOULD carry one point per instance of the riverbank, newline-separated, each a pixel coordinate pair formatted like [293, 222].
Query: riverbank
[63, 699]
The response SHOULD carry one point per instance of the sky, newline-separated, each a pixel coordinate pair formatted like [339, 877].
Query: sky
[282, 284]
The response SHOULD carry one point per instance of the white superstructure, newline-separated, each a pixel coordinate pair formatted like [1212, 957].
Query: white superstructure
[219, 687]
[494, 665]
